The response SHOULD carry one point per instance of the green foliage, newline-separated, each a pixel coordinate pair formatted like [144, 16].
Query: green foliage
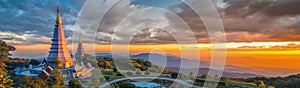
[4, 50]
[105, 63]
[108, 63]
[165, 71]
[4, 53]
[34, 62]
[57, 62]
[107, 72]
[127, 85]
[75, 84]
[174, 75]
[115, 69]
[107, 78]
[141, 64]
[206, 76]
[5, 81]
[261, 84]
[58, 83]
[119, 74]
[225, 79]
[11, 66]
[143, 68]
[30, 82]
[291, 81]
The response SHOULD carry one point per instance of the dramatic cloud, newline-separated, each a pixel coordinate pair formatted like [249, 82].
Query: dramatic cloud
[243, 8]
[37, 18]
[276, 19]
[153, 35]
[249, 20]
[125, 20]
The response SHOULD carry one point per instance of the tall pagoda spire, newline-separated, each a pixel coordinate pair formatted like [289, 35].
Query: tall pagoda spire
[58, 19]
[80, 49]
[59, 48]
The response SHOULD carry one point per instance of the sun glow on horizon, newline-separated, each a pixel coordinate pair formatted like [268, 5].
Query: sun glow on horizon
[232, 48]
[254, 55]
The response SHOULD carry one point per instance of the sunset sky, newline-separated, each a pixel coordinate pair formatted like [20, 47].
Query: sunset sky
[263, 35]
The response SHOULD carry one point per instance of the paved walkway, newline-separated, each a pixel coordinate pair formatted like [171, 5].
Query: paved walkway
[135, 78]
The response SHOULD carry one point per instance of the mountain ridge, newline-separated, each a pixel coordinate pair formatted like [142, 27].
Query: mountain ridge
[174, 63]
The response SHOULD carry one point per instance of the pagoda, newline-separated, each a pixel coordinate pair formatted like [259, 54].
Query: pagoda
[80, 50]
[59, 48]
[58, 52]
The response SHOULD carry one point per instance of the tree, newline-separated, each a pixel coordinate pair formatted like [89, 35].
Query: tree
[30, 82]
[107, 65]
[39, 82]
[174, 75]
[34, 62]
[261, 84]
[143, 68]
[58, 83]
[119, 74]
[57, 63]
[106, 78]
[74, 84]
[4, 54]
[5, 81]
[225, 79]
[4, 50]
[205, 76]
[165, 71]
[115, 69]
[126, 85]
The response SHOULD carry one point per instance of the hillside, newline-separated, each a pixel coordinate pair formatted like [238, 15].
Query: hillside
[292, 81]
[174, 63]
[116, 68]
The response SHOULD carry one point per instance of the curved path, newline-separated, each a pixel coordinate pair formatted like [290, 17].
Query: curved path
[134, 78]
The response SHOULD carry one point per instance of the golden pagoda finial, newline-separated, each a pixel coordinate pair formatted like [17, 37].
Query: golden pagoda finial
[80, 38]
[58, 19]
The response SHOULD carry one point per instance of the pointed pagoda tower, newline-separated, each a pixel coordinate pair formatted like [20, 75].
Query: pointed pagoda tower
[80, 50]
[59, 48]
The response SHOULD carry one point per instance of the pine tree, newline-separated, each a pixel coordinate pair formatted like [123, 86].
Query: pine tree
[58, 83]
[4, 54]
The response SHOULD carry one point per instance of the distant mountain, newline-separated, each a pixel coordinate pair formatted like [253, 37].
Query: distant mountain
[109, 55]
[174, 63]
[170, 61]
[158, 59]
